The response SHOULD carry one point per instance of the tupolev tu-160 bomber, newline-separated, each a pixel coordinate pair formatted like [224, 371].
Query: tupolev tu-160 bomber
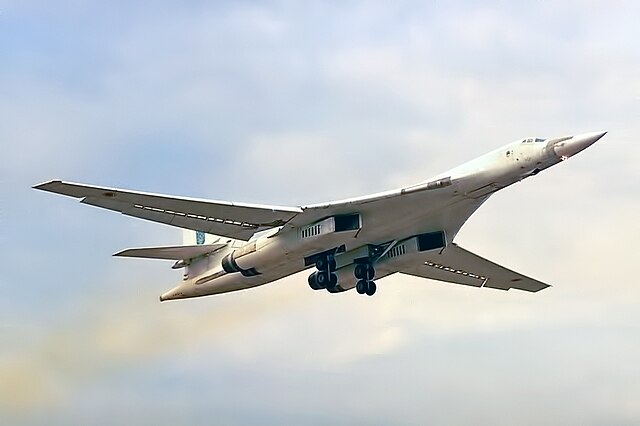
[348, 244]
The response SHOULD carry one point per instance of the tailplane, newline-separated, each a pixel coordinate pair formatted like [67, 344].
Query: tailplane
[195, 244]
[198, 252]
[170, 252]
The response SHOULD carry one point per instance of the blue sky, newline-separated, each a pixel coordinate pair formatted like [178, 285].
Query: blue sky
[297, 103]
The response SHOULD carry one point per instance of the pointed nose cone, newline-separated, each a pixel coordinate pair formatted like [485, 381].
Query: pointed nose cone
[567, 148]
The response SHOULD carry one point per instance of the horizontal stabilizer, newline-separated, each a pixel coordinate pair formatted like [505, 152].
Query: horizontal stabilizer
[170, 252]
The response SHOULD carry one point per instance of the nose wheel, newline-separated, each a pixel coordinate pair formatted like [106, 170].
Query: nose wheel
[365, 273]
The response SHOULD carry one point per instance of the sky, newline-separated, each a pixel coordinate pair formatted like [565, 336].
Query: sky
[293, 103]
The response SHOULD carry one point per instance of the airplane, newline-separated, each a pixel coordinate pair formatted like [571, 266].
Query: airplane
[350, 243]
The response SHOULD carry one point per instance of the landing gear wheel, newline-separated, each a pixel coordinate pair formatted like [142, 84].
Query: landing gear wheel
[364, 271]
[321, 263]
[361, 287]
[360, 271]
[326, 263]
[313, 282]
[371, 273]
[322, 278]
[332, 286]
[371, 288]
[333, 280]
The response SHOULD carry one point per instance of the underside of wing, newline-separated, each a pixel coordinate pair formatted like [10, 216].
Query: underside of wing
[459, 266]
[234, 220]
[396, 203]
[170, 252]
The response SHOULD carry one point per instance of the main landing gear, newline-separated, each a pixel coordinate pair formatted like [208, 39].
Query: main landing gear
[365, 273]
[325, 276]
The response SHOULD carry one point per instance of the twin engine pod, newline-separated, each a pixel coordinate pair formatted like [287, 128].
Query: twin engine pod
[253, 256]
[229, 265]
[272, 250]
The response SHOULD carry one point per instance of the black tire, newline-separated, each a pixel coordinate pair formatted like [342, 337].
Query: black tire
[322, 278]
[333, 280]
[361, 286]
[371, 272]
[313, 282]
[321, 263]
[360, 271]
[371, 288]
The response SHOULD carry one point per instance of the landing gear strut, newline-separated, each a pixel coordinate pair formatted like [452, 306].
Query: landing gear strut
[324, 277]
[365, 273]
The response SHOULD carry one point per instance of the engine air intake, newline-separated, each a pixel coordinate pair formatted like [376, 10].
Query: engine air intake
[431, 241]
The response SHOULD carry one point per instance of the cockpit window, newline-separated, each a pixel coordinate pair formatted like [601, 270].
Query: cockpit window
[540, 140]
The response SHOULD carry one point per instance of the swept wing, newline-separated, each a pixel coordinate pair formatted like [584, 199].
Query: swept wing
[234, 220]
[459, 266]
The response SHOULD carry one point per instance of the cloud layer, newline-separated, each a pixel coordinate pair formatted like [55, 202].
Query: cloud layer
[288, 103]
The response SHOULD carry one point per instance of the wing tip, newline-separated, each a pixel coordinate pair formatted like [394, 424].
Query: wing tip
[46, 186]
[543, 287]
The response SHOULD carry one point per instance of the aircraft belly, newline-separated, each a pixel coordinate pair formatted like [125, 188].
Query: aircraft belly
[233, 282]
[400, 218]
[401, 221]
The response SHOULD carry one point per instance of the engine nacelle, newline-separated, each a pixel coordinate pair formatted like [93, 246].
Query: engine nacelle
[272, 250]
[254, 256]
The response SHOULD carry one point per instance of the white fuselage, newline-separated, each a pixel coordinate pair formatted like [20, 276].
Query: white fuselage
[281, 251]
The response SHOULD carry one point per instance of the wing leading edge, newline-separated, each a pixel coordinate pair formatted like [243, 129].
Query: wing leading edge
[459, 266]
[233, 220]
